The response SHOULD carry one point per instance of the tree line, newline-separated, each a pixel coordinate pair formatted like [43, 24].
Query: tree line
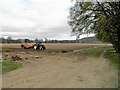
[10, 40]
[84, 40]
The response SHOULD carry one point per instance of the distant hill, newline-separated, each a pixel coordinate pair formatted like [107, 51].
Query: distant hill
[89, 40]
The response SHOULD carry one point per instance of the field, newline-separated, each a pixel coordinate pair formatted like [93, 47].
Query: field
[58, 67]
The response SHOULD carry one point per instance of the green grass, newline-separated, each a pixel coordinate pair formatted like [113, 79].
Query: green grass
[91, 51]
[95, 52]
[112, 56]
[106, 52]
[8, 65]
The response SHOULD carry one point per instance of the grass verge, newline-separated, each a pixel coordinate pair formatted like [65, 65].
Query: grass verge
[9, 65]
[106, 52]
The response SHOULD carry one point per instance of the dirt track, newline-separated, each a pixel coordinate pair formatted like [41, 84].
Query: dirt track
[53, 69]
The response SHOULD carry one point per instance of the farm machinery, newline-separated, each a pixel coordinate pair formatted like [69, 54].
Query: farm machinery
[36, 46]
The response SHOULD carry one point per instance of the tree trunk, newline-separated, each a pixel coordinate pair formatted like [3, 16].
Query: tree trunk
[116, 45]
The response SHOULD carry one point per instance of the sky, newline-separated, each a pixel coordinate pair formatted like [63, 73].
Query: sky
[35, 19]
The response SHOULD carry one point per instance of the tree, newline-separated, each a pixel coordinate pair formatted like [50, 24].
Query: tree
[40, 40]
[101, 18]
[46, 40]
[9, 39]
[36, 40]
[27, 41]
[3, 40]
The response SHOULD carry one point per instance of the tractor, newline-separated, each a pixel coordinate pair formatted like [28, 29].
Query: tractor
[36, 46]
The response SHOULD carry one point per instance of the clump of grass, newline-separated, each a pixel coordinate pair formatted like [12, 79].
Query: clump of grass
[112, 56]
[100, 51]
[92, 51]
[9, 65]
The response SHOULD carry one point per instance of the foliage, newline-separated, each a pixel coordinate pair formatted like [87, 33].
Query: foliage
[10, 40]
[101, 18]
[27, 41]
[112, 56]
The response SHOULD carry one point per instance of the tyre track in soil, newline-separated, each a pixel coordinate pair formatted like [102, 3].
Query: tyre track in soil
[51, 69]
[61, 71]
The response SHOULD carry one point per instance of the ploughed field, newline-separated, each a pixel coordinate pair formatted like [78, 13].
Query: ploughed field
[56, 67]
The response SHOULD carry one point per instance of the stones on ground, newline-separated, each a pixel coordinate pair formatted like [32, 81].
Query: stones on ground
[15, 58]
[6, 55]
[7, 51]
[26, 58]
[64, 51]
[37, 57]
[80, 78]
[76, 50]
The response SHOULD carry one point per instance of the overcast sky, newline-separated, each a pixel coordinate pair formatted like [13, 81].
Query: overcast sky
[35, 19]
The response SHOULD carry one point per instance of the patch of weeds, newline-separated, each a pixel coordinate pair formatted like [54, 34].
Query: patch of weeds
[98, 51]
[112, 56]
[92, 51]
[9, 65]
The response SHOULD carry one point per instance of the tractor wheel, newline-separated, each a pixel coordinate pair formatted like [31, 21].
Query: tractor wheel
[44, 48]
[35, 47]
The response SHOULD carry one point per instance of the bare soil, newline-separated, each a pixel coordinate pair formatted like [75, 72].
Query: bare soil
[54, 68]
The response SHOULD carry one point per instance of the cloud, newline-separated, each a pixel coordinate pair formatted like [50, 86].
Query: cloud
[35, 18]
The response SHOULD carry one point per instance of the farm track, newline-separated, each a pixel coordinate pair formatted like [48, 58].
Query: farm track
[54, 69]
